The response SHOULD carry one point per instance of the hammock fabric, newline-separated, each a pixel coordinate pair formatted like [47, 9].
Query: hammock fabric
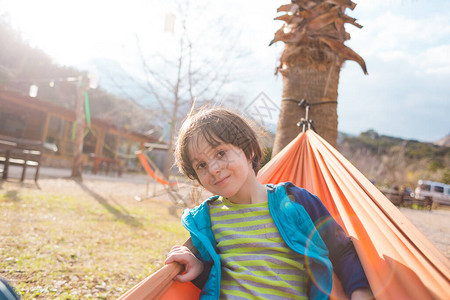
[145, 164]
[399, 261]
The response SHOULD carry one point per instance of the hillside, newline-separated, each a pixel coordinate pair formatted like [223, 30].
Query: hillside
[22, 66]
[394, 161]
[445, 141]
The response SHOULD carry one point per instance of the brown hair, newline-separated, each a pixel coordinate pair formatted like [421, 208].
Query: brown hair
[217, 126]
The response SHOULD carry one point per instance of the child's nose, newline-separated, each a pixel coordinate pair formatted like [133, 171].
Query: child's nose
[214, 167]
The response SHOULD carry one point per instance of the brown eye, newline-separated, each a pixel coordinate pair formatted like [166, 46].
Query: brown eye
[201, 165]
[221, 153]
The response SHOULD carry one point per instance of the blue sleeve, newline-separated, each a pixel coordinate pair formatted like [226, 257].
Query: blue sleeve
[343, 255]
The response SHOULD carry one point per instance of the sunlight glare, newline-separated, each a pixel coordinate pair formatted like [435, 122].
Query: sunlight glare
[70, 31]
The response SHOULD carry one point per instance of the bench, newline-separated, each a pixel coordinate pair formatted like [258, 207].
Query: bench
[426, 203]
[20, 152]
[397, 198]
[106, 163]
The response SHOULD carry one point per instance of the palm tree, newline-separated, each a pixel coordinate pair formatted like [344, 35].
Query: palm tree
[314, 52]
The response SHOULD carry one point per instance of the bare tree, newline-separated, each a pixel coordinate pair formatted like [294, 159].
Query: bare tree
[199, 67]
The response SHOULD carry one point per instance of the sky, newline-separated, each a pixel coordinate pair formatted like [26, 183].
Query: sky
[405, 44]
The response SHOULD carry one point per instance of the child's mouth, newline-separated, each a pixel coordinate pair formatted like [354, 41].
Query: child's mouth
[221, 181]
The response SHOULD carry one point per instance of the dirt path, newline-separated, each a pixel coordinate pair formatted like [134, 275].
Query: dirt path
[435, 225]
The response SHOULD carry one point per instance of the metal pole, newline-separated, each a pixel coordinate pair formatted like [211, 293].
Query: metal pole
[307, 117]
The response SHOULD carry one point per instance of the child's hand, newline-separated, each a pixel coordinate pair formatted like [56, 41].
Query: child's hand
[182, 255]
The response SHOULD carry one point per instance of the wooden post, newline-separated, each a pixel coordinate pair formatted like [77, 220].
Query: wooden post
[45, 129]
[100, 142]
[79, 131]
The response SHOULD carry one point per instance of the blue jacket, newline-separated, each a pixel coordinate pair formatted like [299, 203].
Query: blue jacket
[307, 228]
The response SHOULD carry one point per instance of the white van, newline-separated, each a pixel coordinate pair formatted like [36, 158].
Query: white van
[437, 191]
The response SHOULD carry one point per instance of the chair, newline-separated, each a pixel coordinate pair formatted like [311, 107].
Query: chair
[171, 188]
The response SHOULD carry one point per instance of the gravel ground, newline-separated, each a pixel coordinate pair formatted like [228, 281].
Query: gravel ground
[435, 224]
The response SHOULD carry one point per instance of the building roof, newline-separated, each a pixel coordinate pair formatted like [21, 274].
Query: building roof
[38, 104]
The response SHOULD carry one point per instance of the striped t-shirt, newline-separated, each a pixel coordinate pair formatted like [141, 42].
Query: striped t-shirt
[256, 262]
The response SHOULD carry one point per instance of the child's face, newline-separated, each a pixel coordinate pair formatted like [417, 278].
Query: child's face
[222, 170]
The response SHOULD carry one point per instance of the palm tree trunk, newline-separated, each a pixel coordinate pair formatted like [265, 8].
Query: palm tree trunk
[315, 84]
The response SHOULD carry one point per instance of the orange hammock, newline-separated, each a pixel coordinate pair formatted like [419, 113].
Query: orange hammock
[399, 261]
[148, 169]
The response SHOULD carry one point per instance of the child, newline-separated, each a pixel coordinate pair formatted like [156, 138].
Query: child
[254, 240]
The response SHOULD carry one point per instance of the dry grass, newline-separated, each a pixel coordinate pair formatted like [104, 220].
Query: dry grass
[65, 240]
[82, 241]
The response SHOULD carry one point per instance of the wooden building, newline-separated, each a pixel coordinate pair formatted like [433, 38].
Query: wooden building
[22, 116]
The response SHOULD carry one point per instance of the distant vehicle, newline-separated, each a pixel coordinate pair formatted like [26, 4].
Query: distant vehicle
[437, 192]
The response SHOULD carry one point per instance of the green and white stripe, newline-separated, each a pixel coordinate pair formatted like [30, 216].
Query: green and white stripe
[256, 262]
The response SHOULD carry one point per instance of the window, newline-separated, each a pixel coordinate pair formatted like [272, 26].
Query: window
[55, 132]
[425, 187]
[438, 189]
[70, 139]
[12, 125]
[124, 147]
[90, 141]
[110, 145]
